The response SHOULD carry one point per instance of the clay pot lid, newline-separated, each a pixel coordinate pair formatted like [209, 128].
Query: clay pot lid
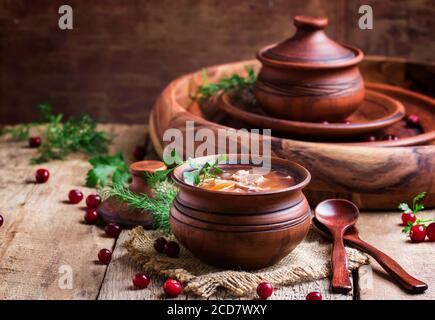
[149, 166]
[310, 47]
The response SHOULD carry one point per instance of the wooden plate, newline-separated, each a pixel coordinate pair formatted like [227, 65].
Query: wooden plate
[371, 177]
[378, 111]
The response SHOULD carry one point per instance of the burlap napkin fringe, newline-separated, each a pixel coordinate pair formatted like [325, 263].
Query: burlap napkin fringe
[308, 262]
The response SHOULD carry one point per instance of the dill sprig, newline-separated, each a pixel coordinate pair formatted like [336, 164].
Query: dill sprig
[62, 137]
[226, 84]
[164, 194]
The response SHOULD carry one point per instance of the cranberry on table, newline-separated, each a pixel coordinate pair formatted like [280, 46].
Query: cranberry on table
[91, 216]
[139, 152]
[104, 256]
[34, 142]
[172, 249]
[75, 196]
[172, 288]
[141, 281]
[264, 290]
[159, 244]
[417, 233]
[42, 175]
[93, 201]
[408, 217]
[112, 230]
[430, 231]
[1, 220]
[413, 121]
[315, 295]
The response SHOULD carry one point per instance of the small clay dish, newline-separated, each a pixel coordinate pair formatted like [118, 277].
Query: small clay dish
[247, 230]
[310, 77]
[378, 111]
[116, 211]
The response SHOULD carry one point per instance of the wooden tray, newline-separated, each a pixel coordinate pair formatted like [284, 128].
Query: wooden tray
[378, 111]
[371, 177]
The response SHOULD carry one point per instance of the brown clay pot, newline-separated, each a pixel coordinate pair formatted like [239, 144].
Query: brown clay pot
[241, 230]
[113, 210]
[309, 77]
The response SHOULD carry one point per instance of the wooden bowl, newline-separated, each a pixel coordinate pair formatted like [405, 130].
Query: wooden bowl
[377, 111]
[309, 77]
[247, 203]
[371, 177]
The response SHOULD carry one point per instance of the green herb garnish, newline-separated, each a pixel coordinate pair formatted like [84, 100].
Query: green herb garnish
[226, 84]
[164, 194]
[202, 172]
[416, 205]
[107, 166]
[62, 138]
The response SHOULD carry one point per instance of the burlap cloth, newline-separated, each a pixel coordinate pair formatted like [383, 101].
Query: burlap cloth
[308, 262]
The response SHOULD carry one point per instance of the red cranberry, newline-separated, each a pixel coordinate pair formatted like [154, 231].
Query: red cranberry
[141, 281]
[390, 137]
[408, 217]
[75, 196]
[413, 121]
[113, 230]
[42, 175]
[1, 220]
[172, 288]
[139, 152]
[315, 295]
[325, 122]
[264, 290]
[417, 233]
[92, 201]
[172, 249]
[430, 231]
[91, 216]
[34, 142]
[159, 244]
[105, 255]
[370, 138]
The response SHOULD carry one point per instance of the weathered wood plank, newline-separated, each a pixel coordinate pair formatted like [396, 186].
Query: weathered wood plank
[384, 232]
[42, 232]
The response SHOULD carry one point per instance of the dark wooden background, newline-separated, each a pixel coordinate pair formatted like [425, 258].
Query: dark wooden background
[121, 54]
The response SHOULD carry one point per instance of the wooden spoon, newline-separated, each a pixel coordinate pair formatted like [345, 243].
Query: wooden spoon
[338, 215]
[351, 237]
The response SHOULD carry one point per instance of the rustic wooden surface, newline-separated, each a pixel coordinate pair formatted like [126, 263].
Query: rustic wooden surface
[121, 54]
[42, 233]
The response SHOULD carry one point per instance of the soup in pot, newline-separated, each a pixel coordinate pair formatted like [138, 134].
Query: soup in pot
[245, 180]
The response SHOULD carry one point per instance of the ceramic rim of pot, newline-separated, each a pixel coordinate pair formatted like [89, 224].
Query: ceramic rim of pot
[359, 55]
[304, 176]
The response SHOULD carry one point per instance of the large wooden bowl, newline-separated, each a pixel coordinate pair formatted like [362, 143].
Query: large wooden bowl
[371, 177]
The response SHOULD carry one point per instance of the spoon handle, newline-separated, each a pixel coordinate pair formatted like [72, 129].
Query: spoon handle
[391, 266]
[340, 273]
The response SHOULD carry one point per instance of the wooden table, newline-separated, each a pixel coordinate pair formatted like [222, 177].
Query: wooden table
[43, 239]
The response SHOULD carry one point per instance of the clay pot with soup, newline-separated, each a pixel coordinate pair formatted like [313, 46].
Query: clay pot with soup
[240, 218]
[310, 77]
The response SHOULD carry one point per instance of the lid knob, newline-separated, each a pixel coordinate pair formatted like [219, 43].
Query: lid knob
[310, 23]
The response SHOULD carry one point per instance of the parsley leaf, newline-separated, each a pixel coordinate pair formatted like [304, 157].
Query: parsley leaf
[106, 167]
